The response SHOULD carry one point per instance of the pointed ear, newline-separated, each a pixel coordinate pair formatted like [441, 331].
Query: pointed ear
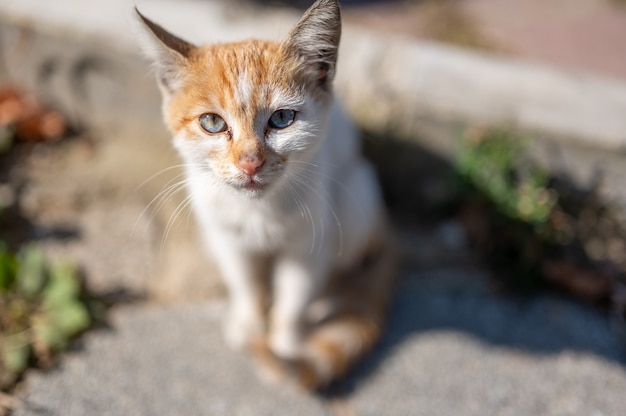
[314, 41]
[168, 53]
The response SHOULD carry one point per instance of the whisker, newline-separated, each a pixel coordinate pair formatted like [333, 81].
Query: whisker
[303, 162]
[165, 195]
[172, 220]
[162, 171]
[305, 212]
[320, 171]
[303, 180]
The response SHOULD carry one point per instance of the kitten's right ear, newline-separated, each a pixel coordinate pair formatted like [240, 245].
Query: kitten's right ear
[168, 52]
[314, 41]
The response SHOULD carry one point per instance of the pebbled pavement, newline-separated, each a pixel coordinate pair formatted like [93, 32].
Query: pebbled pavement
[452, 347]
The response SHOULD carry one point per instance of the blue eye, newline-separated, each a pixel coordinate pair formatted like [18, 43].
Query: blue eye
[282, 119]
[212, 123]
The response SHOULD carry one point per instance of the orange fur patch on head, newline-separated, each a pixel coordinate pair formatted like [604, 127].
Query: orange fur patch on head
[232, 80]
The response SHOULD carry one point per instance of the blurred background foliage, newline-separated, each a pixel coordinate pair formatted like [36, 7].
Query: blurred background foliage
[42, 304]
[535, 230]
[41, 309]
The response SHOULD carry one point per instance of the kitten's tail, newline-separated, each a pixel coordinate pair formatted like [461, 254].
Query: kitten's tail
[360, 301]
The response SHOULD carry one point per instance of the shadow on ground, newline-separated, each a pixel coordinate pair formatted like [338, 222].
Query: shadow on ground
[441, 291]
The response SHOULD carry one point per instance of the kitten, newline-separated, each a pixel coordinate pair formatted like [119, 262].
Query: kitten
[288, 208]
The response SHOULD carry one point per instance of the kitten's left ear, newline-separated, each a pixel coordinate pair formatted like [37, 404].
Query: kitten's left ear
[314, 41]
[168, 52]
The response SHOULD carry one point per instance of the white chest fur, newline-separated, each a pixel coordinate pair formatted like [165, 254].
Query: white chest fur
[257, 225]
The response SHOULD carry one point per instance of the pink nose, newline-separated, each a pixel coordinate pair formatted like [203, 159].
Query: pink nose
[250, 163]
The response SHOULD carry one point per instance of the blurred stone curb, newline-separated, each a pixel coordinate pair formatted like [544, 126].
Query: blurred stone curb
[83, 55]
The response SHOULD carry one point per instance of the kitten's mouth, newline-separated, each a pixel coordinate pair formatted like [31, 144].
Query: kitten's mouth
[253, 185]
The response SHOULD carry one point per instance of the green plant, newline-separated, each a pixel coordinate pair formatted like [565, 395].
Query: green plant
[506, 206]
[40, 310]
[538, 231]
[495, 164]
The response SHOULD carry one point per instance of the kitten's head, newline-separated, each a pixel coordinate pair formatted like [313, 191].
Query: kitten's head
[241, 112]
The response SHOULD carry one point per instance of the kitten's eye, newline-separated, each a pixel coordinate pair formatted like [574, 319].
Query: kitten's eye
[282, 119]
[212, 123]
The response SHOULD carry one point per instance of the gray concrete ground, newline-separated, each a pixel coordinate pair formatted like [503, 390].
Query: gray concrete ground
[450, 349]
[454, 346]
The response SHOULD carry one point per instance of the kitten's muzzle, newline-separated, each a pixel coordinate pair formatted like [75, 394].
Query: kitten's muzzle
[250, 163]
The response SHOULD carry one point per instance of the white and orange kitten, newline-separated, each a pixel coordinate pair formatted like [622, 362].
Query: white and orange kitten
[287, 206]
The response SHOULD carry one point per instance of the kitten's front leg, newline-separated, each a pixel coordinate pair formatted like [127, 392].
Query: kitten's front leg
[296, 283]
[242, 273]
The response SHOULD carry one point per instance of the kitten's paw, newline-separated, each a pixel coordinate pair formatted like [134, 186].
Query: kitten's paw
[239, 333]
[286, 344]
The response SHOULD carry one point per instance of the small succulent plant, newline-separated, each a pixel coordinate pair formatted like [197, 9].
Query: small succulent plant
[40, 310]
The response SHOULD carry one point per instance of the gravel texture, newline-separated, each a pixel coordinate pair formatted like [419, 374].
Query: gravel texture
[451, 349]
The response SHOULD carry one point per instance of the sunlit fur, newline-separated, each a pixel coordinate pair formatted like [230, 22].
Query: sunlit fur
[301, 242]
